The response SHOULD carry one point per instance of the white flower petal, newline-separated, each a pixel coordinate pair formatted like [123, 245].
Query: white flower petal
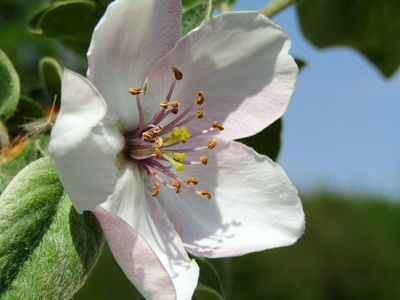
[130, 38]
[82, 148]
[132, 203]
[241, 63]
[136, 258]
[254, 206]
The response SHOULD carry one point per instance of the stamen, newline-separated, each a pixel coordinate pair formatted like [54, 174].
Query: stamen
[217, 125]
[159, 141]
[204, 160]
[164, 104]
[205, 193]
[212, 144]
[148, 135]
[178, 74]
[201, 100]
[158, 153]
[175, 104]
[192, 180]
[178, 186]
[200, 113]
[158, 129]
[135, 91]
[157, 189]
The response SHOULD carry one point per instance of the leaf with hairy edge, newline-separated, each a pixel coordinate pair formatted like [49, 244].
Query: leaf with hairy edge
[35, 149]
[370, 27]
[9, 87]
[71, 22]
[44, 243]
[193, 17]
[50, 72]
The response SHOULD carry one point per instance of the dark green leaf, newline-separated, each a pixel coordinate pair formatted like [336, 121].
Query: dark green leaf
[9, 87]
[209, 276]
[370, 27]
[50, 72]
[193, 17]
[189, 3]
[71, 22]
[268, 141]
[47, 249]
[27, 111]
[34, 150]
[203, 292]
[301, 63]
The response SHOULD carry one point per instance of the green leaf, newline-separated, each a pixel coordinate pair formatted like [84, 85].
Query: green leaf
[370, 27]
[34, 150]
[203, 292]
[27, 111]
[268, 141]
[193, 17]
[189, 3]
[47, 249]
[225, 5]
[301, 63]
[209, 276]
[9, 87]
[71, 22]
[51, 73]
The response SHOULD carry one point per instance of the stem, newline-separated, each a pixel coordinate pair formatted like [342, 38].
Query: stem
[4, 138]
[276, 7]
[210, 8]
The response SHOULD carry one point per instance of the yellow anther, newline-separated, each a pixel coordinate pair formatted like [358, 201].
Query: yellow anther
[200, 113]
[164, 104]
[192, 180]
[135, 91]
[159, 141]
[148, 135]
[204, 160]
[212, 144]
[205, 193]
[175, 104]
[217, 125]
[178, 74]
[201, 99]
[177, 185]
[158, 153]
[156, 189]
[158, 129]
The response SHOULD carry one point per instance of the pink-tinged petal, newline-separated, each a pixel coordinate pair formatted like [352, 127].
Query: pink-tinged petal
[136, 258]
[254, 206]
[126, 44]
[240, 62]
[83, 148]
[132, 203]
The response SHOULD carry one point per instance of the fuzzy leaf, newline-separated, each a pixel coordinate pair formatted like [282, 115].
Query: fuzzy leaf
[209, 276]
[72, 22]
[47, 249]
[370, 27]
[9, 87]
[27, 111]
[50, 72]
[34, 150]
[203, 292]
[193, 17]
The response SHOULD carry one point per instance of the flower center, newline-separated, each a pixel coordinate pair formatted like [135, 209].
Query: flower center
[158, 149]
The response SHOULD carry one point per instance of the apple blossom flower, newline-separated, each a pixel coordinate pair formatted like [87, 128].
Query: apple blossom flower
[146, 141]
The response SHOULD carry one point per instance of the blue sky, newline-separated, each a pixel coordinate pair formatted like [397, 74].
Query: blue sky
[342, 129]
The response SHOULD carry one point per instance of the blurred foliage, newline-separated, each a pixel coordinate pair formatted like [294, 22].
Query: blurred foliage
[349, 251]
[370, 27]
[9, 87]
